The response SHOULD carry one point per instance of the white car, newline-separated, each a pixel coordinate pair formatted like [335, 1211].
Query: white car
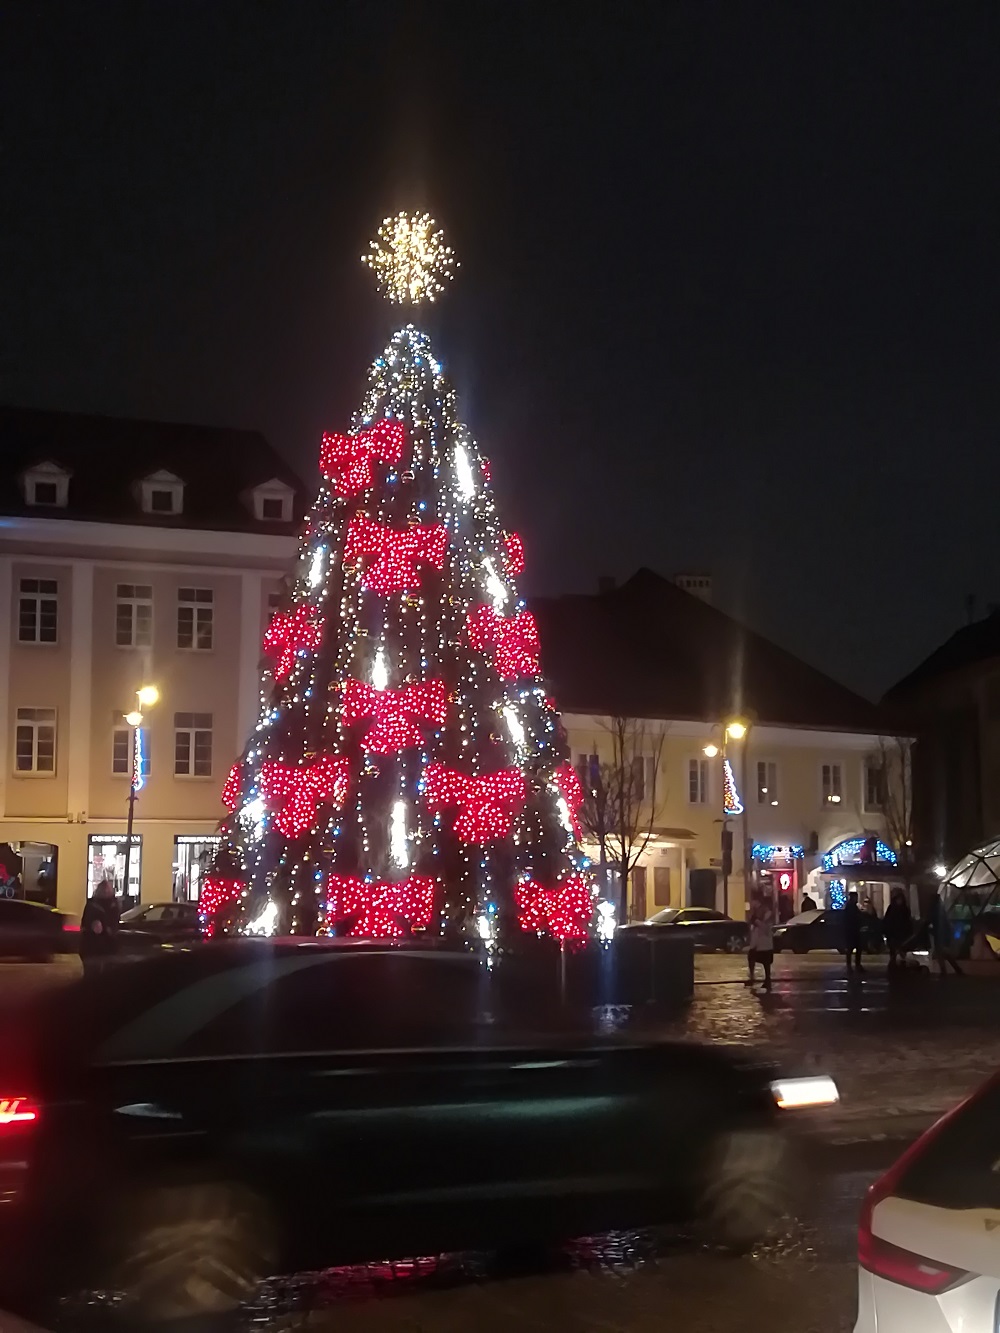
[929, 1238]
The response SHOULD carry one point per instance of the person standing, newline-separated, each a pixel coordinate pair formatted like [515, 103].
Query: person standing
[853, 928]
[897, 925]
[98, 928]
[807, 904]
[940, 932]
[761, 940]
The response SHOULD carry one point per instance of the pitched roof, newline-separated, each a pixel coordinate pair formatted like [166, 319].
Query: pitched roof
[109, 456]
[649, 649]
[968, 646]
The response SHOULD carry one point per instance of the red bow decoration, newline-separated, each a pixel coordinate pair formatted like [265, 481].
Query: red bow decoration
[515, 639]
[566, 910]
[566, 779]
[394, 712]
[487, 804]
[290, 633]
[234, 786]
[381, 909]
[215, 893]
[396, 552]
[300, 788]
[347, 460]
[513, 554]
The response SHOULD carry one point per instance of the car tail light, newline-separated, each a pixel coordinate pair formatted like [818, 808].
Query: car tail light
[71, 925]
[890, 1261]
[17, 1111]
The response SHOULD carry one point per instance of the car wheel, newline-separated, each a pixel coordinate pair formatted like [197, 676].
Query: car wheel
[746, 1189]
[800, 948]
[192, 1249]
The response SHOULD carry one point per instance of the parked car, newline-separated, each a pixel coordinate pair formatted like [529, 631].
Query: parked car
[705, 928]
[927, 1242]
[35, 931]
[822, 930]
[150, 925]
[180, 1129]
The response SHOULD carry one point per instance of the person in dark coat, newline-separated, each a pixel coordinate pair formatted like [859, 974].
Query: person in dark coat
[807, 904]
[99, 928]
[853, 925]
[940, 931]
[898, 927]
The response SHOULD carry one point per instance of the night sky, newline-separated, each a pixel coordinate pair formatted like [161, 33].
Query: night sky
[729, 290]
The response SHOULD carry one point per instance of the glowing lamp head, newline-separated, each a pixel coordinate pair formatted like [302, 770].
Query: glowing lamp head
[134, 719]
[711, 751]
[736, 729]
[148, 695]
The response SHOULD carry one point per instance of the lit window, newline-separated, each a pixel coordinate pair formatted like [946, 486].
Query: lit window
[38, 611]
[134, 615]
[35, 741]
[193, 745]
[194, 618]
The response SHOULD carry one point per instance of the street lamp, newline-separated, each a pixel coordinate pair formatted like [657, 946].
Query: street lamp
[733, 730]
[147, 695]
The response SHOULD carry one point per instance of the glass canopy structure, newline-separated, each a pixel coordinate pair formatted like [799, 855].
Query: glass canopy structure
[971, 889]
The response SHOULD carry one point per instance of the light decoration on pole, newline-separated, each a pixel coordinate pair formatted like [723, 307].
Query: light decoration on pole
[732, 805]
[409, 258]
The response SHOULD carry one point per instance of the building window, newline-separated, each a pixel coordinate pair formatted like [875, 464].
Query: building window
[272, 510]
[638, 877]
[698, 775]
[272, 502]
[194, 618]
[588, 770]
[134, 615]
[162, 493]
[38, 611]
[833, 784]
[45, 493]
[121, 751]
[46, 486]
[193, 745]
[661, 886]
[767, 782]
[161, 502]
[35, 741]
[874, 785]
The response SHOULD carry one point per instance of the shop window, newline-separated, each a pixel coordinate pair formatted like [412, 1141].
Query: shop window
[195, 607]
[38, 611]
[193, 857]
[106, 860]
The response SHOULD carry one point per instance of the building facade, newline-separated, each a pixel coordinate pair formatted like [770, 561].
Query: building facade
[131, 553]
[810, 770]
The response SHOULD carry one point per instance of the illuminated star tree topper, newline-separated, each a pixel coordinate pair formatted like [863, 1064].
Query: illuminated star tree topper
[409, 258]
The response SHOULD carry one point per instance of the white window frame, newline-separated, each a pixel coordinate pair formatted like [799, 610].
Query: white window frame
[48, 721]
[38, 597]
[126, 732]
[872, 761]
[160, 483]
[139, 597]
[833, 789]
[192, 731]
[272, 490]
[46, 474]
[704, 781]
[196, 601]
[768, 791]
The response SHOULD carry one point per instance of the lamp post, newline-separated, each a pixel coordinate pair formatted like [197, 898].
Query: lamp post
[737, 730]
[147, 695]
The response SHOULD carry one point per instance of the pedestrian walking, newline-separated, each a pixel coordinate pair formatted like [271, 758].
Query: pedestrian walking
[761, 940]
[940, 932]
[853, 924]
[99, 928]
[897, 925]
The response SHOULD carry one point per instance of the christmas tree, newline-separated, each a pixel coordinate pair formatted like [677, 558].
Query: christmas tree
[408, 771]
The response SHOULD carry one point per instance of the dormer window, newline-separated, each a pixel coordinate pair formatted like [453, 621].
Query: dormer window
[162, 493]
[46, 486]
[272, 502]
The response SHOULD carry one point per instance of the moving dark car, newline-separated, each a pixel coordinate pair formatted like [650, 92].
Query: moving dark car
[182, 1128]
[34, 931]
[153, 924]
[822, 930]
[705, 928]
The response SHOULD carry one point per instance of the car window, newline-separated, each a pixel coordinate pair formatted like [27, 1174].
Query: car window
[805, 918]
[663, 918]
[692, 915]
[960, 1167]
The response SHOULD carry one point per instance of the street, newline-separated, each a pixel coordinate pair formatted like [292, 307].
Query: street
[901, 1053]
